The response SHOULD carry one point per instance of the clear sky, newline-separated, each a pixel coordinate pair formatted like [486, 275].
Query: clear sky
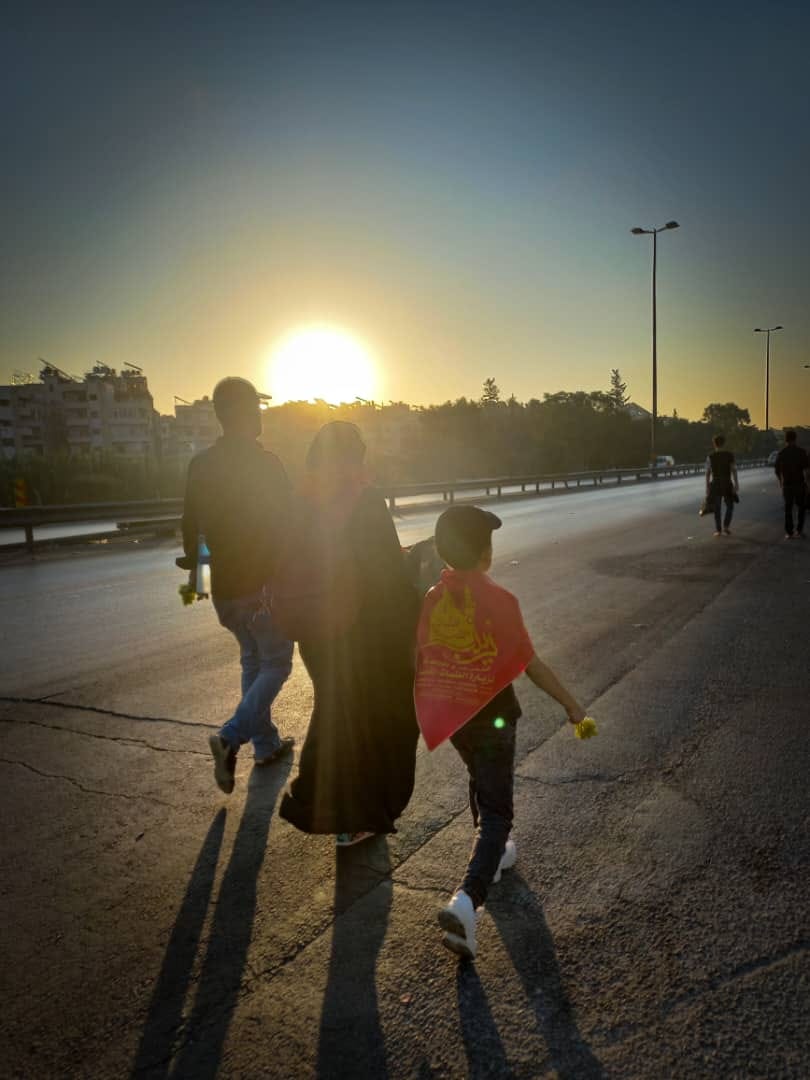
[185, 184]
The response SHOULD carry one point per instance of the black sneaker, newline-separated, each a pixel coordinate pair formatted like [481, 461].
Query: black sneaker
[224, 757]
[284, 747]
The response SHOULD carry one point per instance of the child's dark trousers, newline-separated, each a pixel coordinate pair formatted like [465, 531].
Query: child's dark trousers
[487, 747]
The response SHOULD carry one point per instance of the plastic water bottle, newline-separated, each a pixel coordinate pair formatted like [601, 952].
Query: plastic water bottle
[203, 583]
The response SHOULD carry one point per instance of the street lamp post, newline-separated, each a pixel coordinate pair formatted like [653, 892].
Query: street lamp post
[767, 331]
[654, 234]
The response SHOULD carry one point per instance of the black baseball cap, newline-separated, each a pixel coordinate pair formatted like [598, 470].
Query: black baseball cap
[233, 395]
[463, 533]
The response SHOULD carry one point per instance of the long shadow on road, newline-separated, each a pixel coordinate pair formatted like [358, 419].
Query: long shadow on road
[351, 1041]
[202, 1039]
[518, 916]
[486, 1056]
[166, 1007]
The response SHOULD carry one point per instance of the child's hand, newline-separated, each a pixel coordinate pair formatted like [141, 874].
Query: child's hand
[575, 713]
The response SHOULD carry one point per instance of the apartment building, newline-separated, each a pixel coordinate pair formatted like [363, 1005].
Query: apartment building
[31, 420]
[195, 428]
[8, 439]
[105, 411]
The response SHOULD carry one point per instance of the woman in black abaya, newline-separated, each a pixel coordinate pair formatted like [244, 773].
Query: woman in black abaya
[357, 613]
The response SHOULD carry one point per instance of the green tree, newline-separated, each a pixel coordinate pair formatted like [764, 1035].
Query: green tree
[733, 422]
[490, 394]
[618, 390]
[726, 418]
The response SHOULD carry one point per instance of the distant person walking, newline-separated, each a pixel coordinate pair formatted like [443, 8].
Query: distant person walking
[792, 467]
[344, 593]
[237, 496]
[722, 484]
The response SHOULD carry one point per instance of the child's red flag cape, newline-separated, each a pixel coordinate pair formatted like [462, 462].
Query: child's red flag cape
[471, 644]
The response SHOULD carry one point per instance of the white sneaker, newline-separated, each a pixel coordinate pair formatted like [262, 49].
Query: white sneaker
[508, 860]
[457, 920]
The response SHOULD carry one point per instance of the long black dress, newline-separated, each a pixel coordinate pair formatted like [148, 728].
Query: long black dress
[356, 770]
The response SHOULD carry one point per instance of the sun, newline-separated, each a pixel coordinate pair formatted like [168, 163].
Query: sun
[321, 362]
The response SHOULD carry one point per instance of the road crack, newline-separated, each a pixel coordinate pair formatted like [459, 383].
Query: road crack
[713, 983]
[583, 778]
[96, 735]
[436, 890]
[88, 790]
[105, 712]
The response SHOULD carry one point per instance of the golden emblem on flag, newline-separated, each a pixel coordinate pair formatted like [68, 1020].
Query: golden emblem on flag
[454, 628]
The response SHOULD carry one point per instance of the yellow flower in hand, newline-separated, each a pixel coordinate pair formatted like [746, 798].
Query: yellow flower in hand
[585, 729]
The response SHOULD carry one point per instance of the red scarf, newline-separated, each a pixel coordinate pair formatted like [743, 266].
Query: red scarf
[471, 644]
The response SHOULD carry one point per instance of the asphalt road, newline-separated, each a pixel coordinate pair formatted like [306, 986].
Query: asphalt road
[655, 924]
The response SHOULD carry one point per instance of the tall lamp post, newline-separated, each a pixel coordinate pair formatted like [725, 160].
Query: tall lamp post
[654, 234]
[767, 331]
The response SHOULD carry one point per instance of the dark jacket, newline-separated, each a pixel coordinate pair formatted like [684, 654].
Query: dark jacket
[238, 497]
[791, 465]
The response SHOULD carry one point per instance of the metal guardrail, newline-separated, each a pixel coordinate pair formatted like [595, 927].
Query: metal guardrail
[596, 477]
[29, 518]
[170, 510]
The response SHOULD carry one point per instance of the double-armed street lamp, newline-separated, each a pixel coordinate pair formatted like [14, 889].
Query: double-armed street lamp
[654, 234]
[767, 331]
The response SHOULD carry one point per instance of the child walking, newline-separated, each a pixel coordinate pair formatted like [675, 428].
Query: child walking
[471, 645]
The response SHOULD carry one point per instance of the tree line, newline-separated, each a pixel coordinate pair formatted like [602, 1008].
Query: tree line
[567, 431]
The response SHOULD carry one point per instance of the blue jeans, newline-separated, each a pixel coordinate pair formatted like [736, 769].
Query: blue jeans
[721, 492]
[266, 659]
[718, 509]
[792, 493]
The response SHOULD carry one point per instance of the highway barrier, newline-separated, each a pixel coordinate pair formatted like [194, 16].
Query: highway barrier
[166, 513]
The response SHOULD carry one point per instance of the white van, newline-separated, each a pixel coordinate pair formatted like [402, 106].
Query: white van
[664, 460]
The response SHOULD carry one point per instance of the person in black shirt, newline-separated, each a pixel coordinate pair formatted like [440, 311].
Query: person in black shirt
[793, 470]
[238, 497]
[721, 483]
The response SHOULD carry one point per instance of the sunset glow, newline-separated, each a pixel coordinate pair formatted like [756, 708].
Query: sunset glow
[321, 362]
[453, 195]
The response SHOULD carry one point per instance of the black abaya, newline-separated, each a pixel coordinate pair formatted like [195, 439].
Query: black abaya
[356, 770]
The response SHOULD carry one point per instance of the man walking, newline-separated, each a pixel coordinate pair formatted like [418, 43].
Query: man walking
[793, 471]
[237, 497]
[722, 483]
